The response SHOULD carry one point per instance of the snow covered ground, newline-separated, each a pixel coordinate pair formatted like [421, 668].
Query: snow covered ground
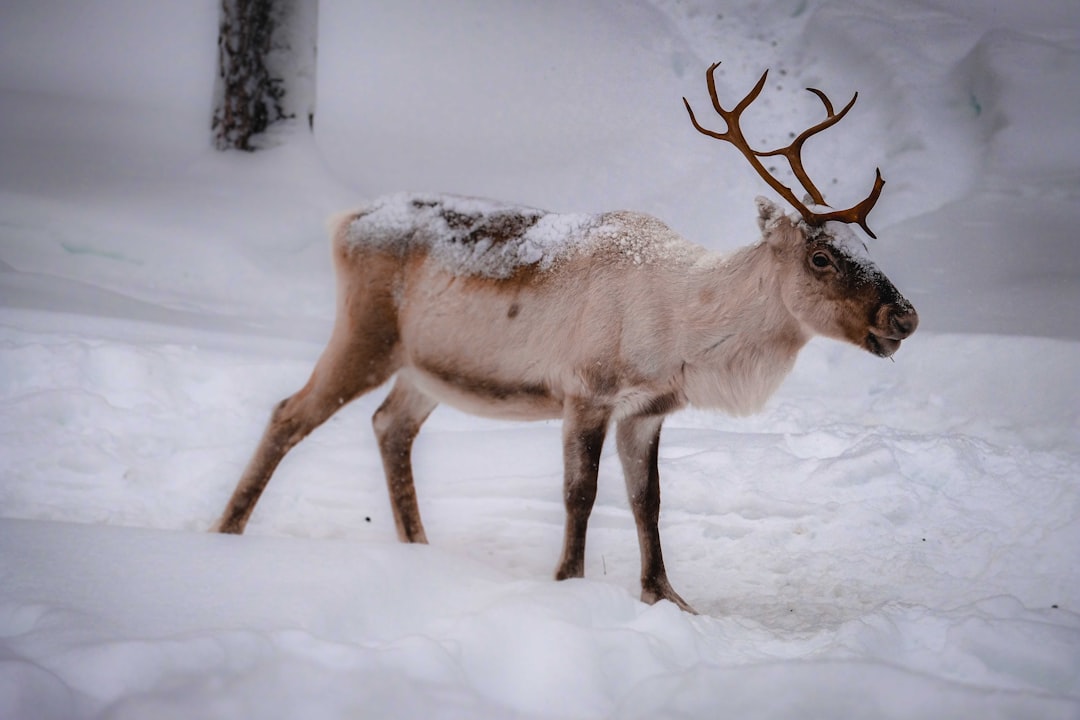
[887, 540]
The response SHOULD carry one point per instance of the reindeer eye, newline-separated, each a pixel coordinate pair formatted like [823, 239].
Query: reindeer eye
[820, 260]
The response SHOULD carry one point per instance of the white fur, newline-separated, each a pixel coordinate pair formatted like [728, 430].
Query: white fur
[620, 309]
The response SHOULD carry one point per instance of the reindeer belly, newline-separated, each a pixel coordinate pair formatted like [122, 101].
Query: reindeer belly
[484, 395]
[491, 348]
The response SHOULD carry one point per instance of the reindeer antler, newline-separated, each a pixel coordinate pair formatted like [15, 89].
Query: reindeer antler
[793, 153]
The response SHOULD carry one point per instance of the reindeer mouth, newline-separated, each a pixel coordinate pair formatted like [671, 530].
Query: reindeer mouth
[880, 345]
[895, 322]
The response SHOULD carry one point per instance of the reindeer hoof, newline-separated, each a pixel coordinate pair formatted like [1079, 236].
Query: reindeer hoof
[654, 592]
[227, 528]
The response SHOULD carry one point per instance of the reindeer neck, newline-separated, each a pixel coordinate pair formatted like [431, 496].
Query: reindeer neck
[740, 340]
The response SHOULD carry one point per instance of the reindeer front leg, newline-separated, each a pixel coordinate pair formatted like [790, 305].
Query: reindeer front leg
[638, 440]
[584, 428]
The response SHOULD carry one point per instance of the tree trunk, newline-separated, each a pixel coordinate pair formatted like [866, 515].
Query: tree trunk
[266, 71]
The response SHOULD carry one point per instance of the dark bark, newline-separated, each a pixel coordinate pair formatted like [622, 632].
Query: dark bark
[266, 68]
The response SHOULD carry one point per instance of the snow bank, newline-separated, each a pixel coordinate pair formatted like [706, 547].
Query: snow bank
[129, 623]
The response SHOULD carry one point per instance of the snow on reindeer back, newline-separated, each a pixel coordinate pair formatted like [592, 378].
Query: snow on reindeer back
[471, 236]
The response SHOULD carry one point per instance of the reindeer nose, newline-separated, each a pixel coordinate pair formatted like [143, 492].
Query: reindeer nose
[903, 322]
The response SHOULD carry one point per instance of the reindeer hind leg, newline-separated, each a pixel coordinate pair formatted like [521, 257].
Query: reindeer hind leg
[396, 423]
[347, 369]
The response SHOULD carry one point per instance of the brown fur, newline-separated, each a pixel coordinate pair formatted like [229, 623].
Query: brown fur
[625, 323]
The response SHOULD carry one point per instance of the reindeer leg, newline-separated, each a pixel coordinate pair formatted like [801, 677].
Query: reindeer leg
[351, 365]
[638, 441]
[290, 423]
[584, 427]
[397, 422]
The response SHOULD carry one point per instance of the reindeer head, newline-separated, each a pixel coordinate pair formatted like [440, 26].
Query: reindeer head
[830, 284]
[828, 280]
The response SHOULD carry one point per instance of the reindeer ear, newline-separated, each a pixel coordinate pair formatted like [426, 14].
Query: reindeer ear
[769, 213]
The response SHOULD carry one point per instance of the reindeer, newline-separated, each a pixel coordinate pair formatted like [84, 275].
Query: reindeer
[512, 312]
